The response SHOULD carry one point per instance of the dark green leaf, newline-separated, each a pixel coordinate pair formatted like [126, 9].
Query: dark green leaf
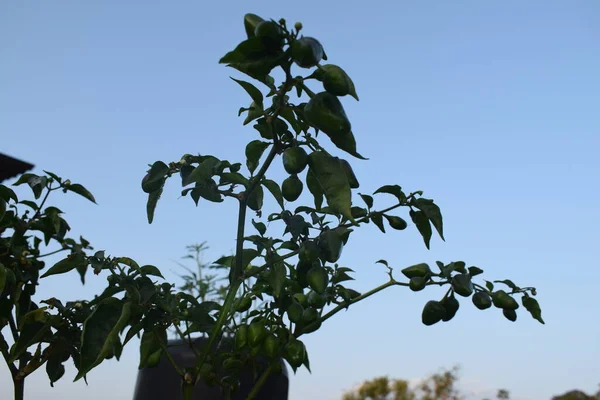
[367, 199]
[254, 93]
[508, 283]
[315, 188]
[29, 334]
[254, 57]
[275, 190]
[377, 219]
[37, 315]
[225, 261]
[207, 190]
[260, 227]
[341, 276]
[277, 278]
[474, 271]
[53, 176]
[129, 262]
[335, 80]
[151, 270]
[247, 256]
[146, 289]
[304, 209]
[288, 114]
[489, 285]
[460, 267]
[202, 172]
[289, 245]
[432, 211]
[297, 226]
[37, 185]
[185, 172]
[80, 190]
[151, 205]
[32, 204]
[151, 347]
[533, 307]
[254, 111]
[265, 130]
[347, 143]
[384, 262]
[393, 190]
[422, 223]
[234, 178]
[55, 370]
[330, 174]
[254, 151]
[133, 331]
[25, 179]
[7, 194]
[65, 265]
[3, 276]
[98, 335]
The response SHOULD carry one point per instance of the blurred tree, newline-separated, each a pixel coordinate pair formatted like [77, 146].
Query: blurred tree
[440, 386]
[577, 395]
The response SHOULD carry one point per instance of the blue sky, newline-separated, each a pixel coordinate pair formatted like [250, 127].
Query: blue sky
[491, 108]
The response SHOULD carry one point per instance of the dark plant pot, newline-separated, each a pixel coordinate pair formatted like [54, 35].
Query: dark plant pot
[163, 383]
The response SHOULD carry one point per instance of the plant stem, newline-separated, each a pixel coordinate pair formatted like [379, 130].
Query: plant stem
[51, 253]
[237, 270]
[219, 324]
[169, 356]
[262, 380]
[19, 387]
[13, 327]
[356, 300]
[6, 356]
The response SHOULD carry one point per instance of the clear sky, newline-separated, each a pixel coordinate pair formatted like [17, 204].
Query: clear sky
[490, 107]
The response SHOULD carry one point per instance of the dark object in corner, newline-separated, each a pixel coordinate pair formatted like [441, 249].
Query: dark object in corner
[163, 383]
[11, 167]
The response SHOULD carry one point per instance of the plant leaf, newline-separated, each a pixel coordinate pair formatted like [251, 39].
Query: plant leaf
[203, 172]
[277, 278]
[331, 176]
[422, 223]
[29, 334]
[254, 58]
[65, 265]
[432, 211]
[275, 190]
[347, 143]
[260, 227]
[508, 283]
[393, 190]
[377, 219]
[96, 332]
[367, 199]
[254, 151]
[151, 347]
[82, 191]
[151, 204]
[151, 270]
[129, 262]
[533, 307]
[234, 178]
[254, 93]
[314, 188]
[7, 193]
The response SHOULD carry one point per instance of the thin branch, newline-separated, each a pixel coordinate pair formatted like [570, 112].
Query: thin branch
[262, 380]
